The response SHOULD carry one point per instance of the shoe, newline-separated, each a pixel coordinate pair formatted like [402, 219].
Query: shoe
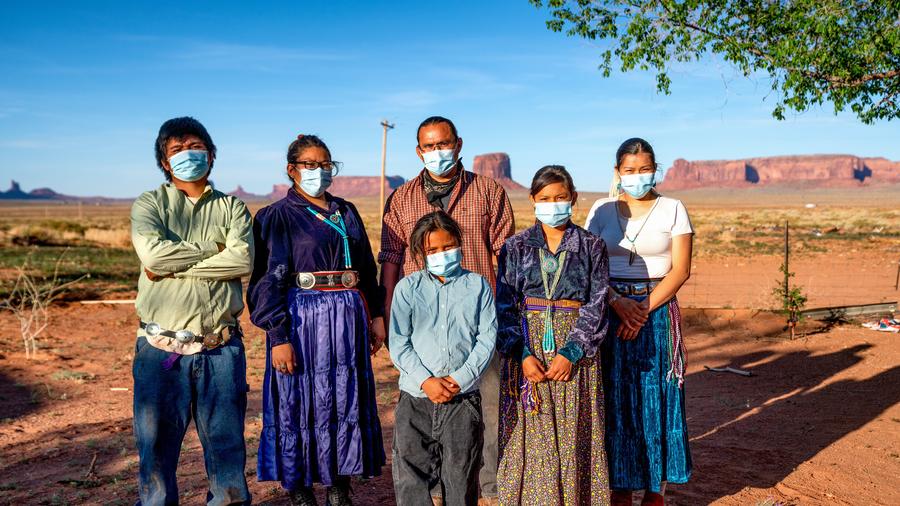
[303, 496]
[339, 493]
[620, 498]
[653, 499]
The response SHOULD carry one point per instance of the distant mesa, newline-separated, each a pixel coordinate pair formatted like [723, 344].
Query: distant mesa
[240, 193]
[496, 166]
[343, 186]
[46, 194]
[15, 193]
[829, 171]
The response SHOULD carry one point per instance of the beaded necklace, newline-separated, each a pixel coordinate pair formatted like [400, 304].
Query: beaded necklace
[550, 265]
[336, 221]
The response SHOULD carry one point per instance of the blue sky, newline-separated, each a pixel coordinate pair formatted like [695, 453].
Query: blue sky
[85, 85]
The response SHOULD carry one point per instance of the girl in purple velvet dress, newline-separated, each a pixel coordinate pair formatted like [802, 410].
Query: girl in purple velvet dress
[314, 292]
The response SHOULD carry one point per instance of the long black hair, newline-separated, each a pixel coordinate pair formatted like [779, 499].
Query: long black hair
[634, 146]
[551, 174]
[438, 220]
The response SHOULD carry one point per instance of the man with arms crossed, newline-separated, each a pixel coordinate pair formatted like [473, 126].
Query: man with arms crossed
[194, 244]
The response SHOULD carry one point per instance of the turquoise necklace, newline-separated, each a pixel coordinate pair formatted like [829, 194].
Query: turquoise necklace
[550, 265]
[336, 221]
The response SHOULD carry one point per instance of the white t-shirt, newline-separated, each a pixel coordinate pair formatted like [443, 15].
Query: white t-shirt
[653, 243]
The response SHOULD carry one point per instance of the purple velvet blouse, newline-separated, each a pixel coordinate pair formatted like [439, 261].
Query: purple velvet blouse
[290, 239]
[585, 278]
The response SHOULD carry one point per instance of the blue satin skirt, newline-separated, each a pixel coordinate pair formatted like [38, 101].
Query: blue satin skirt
[322, 421]
[646, 431]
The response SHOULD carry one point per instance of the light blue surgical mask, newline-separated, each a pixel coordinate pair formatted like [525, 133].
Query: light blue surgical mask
[315, 181]
[444, 263]
[439, 161]
[637, 185]
[189, 165]
[553, 214]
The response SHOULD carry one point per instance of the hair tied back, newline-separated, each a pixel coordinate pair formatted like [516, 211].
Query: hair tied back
[300, 137]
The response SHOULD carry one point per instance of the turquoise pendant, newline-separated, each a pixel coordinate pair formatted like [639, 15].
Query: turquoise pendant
[549, 342]
[549, 264]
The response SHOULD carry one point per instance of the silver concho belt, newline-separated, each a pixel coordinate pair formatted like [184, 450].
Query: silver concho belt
[327, 280]
[210, 340]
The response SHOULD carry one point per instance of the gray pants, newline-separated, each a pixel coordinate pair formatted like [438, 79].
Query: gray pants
[490, 406]
[437, 444]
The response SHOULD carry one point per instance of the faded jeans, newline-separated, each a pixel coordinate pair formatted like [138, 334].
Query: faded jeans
[210, 387]
[437, 444]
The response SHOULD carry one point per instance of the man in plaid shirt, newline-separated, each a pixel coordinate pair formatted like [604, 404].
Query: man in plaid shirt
[482, 209]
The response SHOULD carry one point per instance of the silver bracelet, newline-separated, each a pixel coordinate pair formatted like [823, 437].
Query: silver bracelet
[613, 296]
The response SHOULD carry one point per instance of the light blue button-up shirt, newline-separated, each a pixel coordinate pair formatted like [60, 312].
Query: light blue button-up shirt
[442, 329]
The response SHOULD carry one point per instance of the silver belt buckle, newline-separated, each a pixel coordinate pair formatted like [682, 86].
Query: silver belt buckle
[640, 289]
[306, 280]
[349, 279]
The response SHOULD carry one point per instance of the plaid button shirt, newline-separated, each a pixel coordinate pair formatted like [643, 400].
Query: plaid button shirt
[478, 203]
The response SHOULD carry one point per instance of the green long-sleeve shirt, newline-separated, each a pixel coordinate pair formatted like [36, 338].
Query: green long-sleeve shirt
[173, 236]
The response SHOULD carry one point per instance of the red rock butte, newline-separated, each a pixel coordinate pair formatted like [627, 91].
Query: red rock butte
[809, 170]
[343, 186]
[497, 167]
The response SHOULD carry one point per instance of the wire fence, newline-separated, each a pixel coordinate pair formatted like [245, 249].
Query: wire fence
[826, 279]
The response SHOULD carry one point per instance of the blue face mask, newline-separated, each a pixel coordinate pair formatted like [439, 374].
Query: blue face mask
[553, 214]
[637, 185]
[315, 181]
[439, 161]
[189, 165]
[445, 263]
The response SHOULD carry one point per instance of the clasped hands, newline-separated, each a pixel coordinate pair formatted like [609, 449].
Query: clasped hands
[440, 390]
[560, 369]
[633, 315]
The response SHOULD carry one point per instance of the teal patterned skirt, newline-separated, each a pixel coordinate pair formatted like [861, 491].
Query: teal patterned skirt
[646, 430]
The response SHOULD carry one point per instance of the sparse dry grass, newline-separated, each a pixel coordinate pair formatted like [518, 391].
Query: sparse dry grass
[727, 225]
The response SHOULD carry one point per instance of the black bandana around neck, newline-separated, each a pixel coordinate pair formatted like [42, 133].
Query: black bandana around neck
[438, 193]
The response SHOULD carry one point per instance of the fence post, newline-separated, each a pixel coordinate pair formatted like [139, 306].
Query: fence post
[897, 281]
[792, 311]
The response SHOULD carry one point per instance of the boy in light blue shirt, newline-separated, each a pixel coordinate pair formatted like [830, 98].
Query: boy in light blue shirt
[442, 337]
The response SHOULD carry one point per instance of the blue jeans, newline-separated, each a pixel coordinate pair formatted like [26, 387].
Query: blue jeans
[210, 387]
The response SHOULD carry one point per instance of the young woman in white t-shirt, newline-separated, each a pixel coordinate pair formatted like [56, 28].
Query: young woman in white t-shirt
[649, 239]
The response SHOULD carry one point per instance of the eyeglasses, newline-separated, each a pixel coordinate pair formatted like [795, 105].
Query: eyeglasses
[439, 145]
[332, 166]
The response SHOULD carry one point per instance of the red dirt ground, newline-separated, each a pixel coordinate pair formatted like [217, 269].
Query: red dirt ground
[818, 423]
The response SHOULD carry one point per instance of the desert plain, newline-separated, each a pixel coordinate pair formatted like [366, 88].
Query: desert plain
[818, 422]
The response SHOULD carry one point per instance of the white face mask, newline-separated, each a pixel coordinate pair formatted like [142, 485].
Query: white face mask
[315, 181]
[445, 263]
[439, 161]
[637, 185]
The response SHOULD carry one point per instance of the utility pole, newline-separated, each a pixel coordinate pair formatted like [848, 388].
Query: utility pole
[387, 126]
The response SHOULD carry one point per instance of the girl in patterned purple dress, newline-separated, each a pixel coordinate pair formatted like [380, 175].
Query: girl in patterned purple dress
[551, 313]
